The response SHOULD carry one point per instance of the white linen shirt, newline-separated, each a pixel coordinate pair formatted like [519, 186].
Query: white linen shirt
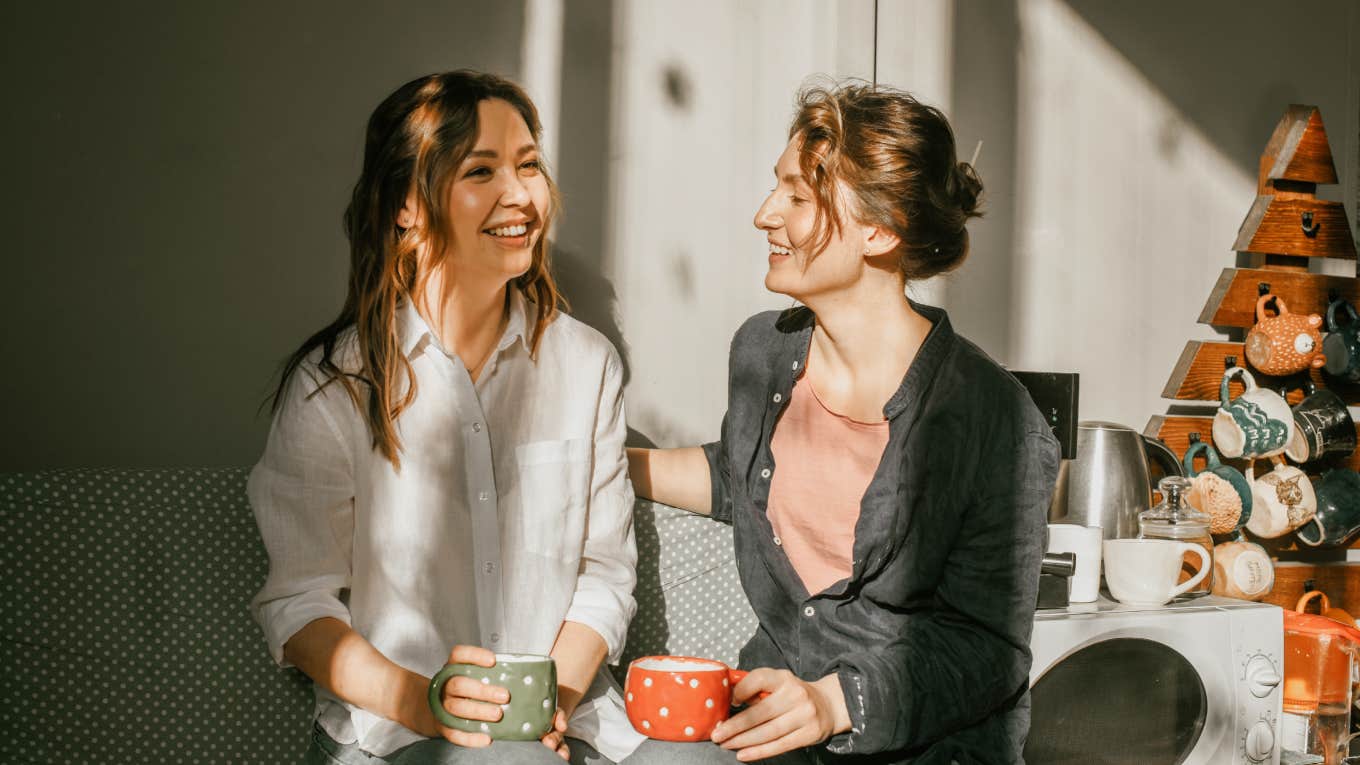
[511, 512]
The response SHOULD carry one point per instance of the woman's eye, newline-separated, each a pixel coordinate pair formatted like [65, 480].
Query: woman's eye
[476, 171]
[532, 164]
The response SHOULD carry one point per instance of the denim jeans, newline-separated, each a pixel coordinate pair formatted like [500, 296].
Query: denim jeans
[326, 751]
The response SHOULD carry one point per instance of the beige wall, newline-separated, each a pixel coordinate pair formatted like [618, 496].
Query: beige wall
[177, 174]
[175, 178]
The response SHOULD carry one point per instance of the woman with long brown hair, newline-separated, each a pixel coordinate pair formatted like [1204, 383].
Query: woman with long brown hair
[887, 482]
[445, 476]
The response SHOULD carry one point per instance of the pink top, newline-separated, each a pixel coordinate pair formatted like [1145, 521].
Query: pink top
[823, 464]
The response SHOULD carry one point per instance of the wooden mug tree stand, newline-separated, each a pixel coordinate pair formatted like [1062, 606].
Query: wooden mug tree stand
[1286, 227]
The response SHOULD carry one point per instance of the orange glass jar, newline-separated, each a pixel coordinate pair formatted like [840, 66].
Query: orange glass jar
[1318, 665]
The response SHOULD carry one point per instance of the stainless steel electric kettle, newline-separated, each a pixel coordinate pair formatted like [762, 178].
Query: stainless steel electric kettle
[1109, 482]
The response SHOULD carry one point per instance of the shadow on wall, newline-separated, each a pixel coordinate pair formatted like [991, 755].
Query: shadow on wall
[986, 48]
[1224, 43]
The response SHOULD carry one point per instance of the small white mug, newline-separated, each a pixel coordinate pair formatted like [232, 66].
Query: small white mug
[1143, 572]
[1084, 587]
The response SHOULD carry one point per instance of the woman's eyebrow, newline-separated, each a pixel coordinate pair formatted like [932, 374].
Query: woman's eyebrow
[491, 153]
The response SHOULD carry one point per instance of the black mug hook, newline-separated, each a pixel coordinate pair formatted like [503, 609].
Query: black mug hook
[1262, 288]
[1229, 362]
[1310, 226]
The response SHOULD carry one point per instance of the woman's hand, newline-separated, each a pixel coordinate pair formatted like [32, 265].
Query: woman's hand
[796, 714]
[471, 699]
[555, 738]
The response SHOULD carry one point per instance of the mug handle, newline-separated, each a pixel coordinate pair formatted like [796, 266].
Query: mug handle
[1261, 307]
[1199, 575]
[1188, 461]
[1351, 315]
[1247, 381]
[436, 692]
[735, 676]
[1314, 521]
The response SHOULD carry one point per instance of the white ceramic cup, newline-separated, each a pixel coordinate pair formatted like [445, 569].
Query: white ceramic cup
[1143, 572]
[1084, 541]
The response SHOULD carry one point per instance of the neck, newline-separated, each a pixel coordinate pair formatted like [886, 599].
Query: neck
[467, 315]
[867, 331]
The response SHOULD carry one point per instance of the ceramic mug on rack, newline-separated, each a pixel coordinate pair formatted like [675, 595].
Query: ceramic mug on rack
[1322, 425]
[1219, 490]
[1338, 509]
[1282, 500]
[1342, 345]
[1257, 423]
[1285, 343]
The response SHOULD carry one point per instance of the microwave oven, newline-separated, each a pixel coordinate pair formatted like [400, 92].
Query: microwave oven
[1195, 682]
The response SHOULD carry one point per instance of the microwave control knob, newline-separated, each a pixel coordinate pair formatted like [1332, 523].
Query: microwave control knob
[1260, 741]
[1262, 677]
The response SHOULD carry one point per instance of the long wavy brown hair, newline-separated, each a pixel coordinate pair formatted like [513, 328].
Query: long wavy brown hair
[416, 139]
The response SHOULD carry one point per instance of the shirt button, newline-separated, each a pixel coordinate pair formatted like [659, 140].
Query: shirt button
[489, 567]
[777, 540]
[809, 611]
[495, 637]
[476, 427]
[778, 398]
[795, 365]
[765, 473]
[483, 496]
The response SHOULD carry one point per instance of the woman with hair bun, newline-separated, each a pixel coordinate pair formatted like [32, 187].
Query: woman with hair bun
[888, 482]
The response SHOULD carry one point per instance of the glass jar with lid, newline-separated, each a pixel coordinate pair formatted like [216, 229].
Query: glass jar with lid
[1175, 519]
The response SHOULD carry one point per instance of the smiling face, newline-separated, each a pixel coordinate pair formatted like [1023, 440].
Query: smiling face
[499, 201]
[789, 219]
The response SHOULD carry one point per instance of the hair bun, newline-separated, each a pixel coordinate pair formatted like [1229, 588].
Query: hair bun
[967, 190]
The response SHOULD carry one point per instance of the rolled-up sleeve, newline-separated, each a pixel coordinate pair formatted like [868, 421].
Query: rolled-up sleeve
[302, 495]
[719, 479]
[969, 656]
[603, 600]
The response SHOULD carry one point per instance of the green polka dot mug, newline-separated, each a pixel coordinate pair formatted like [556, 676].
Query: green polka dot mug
[531, 680]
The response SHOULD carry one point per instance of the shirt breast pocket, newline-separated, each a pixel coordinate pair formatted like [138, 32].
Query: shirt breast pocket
[554, 484]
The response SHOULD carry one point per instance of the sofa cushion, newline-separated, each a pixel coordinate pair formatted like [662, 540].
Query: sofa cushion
[126, 636]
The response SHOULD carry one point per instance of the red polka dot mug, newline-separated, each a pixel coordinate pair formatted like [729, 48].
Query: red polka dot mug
[679, 698]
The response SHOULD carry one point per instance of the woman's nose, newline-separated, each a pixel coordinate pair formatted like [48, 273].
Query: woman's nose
[767, 217]
[515, 193]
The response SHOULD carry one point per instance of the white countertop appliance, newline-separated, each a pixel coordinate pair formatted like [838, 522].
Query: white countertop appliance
[1196, 682]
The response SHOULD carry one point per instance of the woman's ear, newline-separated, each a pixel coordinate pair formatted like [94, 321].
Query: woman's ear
[409, 214]
[879, 241]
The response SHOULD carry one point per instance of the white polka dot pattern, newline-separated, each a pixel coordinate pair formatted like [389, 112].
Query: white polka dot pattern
[690, 601]
[125, 616]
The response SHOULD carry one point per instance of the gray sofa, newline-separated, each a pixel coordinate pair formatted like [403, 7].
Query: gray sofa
[126, 638]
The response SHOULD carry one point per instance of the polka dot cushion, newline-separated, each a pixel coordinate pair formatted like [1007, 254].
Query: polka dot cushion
[126, 638]
[690, 602]
[125, 631]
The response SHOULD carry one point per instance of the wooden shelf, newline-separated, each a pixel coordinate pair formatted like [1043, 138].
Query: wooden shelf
[1199, 371]
[1274, 226]
[1340, 580]
[1298, 149]
[1232, 303]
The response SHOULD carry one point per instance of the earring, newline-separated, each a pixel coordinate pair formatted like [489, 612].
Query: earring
[866, 251]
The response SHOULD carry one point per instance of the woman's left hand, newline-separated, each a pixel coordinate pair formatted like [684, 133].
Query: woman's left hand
[556, 737]
[794, 715]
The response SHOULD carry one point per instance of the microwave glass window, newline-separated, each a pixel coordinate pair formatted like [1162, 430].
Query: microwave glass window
[1126, 700]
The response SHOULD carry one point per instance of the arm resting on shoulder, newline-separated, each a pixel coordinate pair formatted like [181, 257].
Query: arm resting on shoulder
[675, 477]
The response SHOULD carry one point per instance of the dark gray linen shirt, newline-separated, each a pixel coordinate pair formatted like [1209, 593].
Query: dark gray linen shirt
[929, 635]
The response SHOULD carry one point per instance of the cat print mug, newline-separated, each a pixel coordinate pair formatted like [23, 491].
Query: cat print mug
[1282, 500]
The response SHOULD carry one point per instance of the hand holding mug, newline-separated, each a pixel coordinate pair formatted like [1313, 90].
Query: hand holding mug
[792, 713]
[480, 696]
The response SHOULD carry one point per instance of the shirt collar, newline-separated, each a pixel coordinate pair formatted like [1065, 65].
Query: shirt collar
[798, 323]
[414, 332]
